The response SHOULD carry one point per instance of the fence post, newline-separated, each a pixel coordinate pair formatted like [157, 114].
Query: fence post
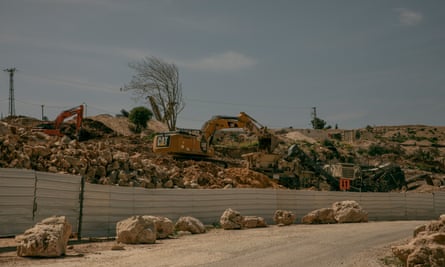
[79, 224]
[34, 202]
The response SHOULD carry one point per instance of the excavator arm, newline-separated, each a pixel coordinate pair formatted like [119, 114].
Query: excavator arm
[53, 128]
[244, 121]
[180, 143]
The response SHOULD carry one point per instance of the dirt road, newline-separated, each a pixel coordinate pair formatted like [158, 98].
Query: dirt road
[297, 245]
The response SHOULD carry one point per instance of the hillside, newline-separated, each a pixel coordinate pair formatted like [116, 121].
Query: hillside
[391, 158]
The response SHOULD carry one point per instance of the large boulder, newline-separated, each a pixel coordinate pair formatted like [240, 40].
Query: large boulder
[190, 224]
[231, 219]
[349, 211]
[47, 238]
[284, 217]
[253, 222]
[164, 226]
[136, 230]
[427, 248]
[320, 216]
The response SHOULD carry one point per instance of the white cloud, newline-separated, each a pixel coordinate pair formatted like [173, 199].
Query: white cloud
[408, 17]
[227, 61]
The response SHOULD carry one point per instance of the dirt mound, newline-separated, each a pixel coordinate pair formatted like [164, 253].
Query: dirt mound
[120, 125]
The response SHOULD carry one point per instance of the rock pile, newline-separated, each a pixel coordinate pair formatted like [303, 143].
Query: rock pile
[348, 211]
[124, 161]
[48, 238]
[427, 248]
[232, 219]
[146, 229]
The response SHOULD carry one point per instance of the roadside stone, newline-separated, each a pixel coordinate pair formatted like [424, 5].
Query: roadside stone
[427, 248]
[136, 230]
[254, 222]
[49, 238]
[164, 226]
[284, 217]
[319, 216]
[231, 219]
[190, 224]
[349, 211]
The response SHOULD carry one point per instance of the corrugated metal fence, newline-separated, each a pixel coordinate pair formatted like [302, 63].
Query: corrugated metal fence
[27, 197]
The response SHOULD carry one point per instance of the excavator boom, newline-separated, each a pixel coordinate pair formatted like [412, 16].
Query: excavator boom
[200, 145]
[53, 128]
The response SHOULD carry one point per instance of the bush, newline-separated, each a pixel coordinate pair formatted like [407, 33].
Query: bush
[139, 116]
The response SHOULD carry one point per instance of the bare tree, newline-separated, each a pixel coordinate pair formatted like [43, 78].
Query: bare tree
[158, 81]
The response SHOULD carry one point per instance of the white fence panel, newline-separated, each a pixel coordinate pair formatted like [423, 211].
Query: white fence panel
[27, 197]
[420, 206]
[58, 194]
[16, 201]
[439, 203]
[96, 210]
[299, 202]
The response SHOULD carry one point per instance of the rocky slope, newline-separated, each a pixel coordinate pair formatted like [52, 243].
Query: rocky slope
[112, 154]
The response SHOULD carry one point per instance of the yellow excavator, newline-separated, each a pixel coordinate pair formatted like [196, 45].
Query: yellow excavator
[197, 144]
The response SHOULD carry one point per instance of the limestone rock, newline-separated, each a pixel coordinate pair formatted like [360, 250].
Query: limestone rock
[427, 248]
[284, 217]
[231, 219]
[349, 211]
[190, 224]
[319, 216]
[164, 226]
[48, 238]
[253, 222]
[136, 230]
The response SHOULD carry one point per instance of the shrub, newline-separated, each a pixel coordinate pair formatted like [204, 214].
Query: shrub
[139, 116]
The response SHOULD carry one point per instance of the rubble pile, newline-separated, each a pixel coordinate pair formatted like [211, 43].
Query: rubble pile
[124, 161]
[427, 248]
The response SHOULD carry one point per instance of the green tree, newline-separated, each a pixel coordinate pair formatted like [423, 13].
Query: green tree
[318, 123]
[139, 116]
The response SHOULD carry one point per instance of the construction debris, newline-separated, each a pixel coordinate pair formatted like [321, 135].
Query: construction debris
[427, 248]
[111, 154]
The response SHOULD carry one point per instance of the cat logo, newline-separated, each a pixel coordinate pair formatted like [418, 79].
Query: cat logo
[163, 141]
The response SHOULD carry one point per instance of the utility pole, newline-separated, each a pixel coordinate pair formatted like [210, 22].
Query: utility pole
[11, 91]
[42, 111]
[314, 113]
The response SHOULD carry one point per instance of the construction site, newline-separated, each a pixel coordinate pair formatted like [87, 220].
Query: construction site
[228, 152]
[203, 171]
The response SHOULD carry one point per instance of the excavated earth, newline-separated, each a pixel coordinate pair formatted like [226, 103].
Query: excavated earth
[113, 155]
[110, 153]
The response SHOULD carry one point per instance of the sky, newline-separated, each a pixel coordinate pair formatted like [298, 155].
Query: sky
[357, 62]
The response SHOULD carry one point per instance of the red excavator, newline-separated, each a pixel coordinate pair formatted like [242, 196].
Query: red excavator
[53, 128]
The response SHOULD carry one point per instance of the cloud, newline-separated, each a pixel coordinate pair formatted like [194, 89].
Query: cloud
[408, 17]
[227, 61]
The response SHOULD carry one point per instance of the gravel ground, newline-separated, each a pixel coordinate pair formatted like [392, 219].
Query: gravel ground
[364, 244]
